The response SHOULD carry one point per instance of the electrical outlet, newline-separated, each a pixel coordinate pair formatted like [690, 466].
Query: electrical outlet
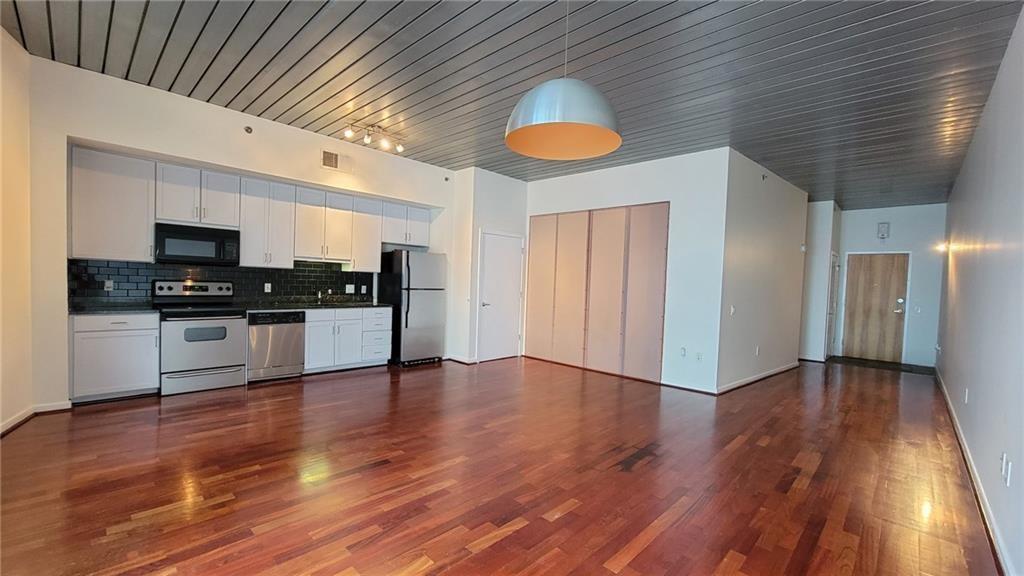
[266, 287]
[350, 288]
[700, 356]
[967, 394]
[362, 289]
[108, 285]
[757, 350]
[732, 310]
[682, 351]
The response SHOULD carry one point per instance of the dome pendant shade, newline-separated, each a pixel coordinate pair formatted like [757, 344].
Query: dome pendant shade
[563, 119]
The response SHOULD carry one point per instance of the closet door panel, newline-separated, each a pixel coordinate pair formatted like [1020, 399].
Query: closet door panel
[570, 288]
[540, 285]
[645, 291]
[605, 297]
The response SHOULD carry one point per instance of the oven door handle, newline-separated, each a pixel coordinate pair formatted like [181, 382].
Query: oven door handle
[194, 373]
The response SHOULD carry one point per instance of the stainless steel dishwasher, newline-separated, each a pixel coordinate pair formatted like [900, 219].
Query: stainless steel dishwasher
[277, 344]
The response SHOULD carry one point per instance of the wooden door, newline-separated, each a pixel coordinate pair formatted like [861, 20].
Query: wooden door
[876, 292]
[569, 320]
[540, 285]
[647, 257]
[607, 289]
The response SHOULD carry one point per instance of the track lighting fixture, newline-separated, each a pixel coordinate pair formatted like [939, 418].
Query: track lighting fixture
[385, 141]
[349, 133]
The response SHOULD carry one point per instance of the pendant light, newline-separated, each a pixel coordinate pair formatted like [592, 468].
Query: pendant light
[563, 119]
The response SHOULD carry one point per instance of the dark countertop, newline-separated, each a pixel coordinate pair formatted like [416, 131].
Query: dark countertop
[141, 306]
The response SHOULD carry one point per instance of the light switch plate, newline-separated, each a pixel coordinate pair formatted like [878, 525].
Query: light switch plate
[350, 288]
[362, 289]
[266, 287]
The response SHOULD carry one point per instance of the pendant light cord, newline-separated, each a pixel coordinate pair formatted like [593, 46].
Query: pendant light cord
[565, 60]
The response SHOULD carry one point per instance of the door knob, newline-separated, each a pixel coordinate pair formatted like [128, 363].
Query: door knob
[899, 306]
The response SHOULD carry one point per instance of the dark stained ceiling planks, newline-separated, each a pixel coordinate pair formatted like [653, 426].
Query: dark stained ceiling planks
[869, 103]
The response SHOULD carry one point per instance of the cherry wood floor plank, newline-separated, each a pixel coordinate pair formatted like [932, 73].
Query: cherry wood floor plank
[510, 467]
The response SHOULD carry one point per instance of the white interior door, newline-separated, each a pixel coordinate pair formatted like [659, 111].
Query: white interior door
[501, 280]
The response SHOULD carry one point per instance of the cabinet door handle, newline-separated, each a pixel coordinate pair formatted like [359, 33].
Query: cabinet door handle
[328, 249]
[204, 212]
[270, 257]
[119, 322]
[156, 341]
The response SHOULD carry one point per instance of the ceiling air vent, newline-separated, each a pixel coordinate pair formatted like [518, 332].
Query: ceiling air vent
[332, 161]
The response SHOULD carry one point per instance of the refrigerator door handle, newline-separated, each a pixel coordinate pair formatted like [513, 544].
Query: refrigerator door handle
[408, 270]
[405, 307]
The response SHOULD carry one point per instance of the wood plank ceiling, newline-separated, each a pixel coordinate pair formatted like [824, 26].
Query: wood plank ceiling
[869, 103]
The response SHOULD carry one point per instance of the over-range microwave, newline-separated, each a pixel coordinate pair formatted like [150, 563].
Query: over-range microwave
[176, 244]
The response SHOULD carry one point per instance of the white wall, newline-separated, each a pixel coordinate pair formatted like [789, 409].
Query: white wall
[494, 203]
[16, 396]
[762, 280]
[914, 229]
[72, 103]
[499, 205]
[982, 334]
[814, 311]
[695, 186]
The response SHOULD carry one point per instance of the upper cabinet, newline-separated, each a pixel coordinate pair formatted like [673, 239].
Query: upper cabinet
[112, 200]
[193, 196]
[404, 224]
[366, 234]
[323, 225]
[267, 224]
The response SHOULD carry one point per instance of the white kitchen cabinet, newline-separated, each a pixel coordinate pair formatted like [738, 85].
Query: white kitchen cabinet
[366, 235]
[393, 227]
[112, 206]
[348, 342]
[403, 224]
[341, 338]
[338, 227]
[266, 224]
[418, 226]
[281, 226]
[319, 344]
[219, 199]
[309, 223]
[114, 355]
[177, 193]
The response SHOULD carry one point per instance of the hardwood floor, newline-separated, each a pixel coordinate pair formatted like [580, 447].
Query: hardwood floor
[509, 467]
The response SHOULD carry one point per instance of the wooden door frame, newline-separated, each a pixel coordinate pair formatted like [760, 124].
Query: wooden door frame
[906, 297]
[477, 281]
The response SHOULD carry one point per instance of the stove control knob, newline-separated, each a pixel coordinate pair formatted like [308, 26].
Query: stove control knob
[169, 288]
[160, 288]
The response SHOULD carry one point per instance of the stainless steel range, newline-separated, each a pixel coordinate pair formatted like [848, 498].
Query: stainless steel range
[202, 336]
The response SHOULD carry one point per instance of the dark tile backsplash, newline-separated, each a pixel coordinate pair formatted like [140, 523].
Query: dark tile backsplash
[134, 281]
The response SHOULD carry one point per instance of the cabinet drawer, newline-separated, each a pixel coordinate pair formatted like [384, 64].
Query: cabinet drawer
[377, 338]
[348, 314]
[319, 314]
[376, 313]
[98, 322]
[376, 353]
[376, 324]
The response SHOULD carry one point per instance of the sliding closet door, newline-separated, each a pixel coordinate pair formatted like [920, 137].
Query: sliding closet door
[567, 335]
[540, 285]
[607, 283]
[647, 257]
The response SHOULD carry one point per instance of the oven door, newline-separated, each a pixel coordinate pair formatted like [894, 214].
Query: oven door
[199, 343]
[177, 244]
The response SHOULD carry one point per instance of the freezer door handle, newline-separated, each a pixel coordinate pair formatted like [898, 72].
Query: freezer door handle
[405, 306]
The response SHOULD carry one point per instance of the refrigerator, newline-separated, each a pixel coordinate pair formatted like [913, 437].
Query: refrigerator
[413, 283]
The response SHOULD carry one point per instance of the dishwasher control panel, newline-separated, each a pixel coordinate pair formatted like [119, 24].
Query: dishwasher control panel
[263, 318]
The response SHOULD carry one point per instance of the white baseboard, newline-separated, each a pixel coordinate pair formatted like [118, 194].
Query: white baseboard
[50, 407]
[772, 372]
[1002, 554]
[16, 419]
[688, 388]
[462, 359]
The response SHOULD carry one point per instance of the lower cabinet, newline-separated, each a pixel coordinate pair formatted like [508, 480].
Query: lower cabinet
[114, 355]
[347, 338]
